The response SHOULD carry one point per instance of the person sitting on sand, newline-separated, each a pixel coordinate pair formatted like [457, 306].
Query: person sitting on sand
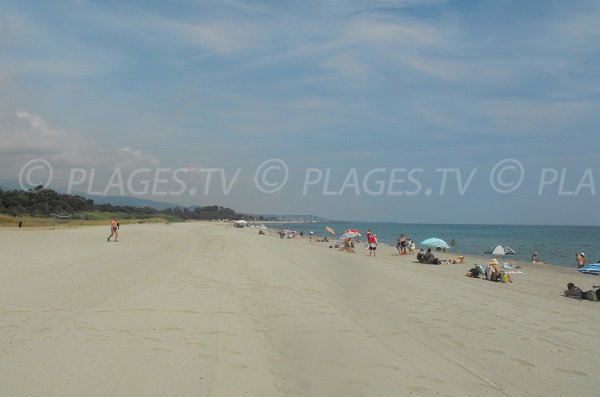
[114, 229]
[493, 273]
[535, 258]
[421, 256]
[573, 291]
[429, 258]
[348, 245]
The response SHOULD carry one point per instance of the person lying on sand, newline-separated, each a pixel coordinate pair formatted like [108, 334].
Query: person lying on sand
[447, 261]
[475, 271]
[573, 291]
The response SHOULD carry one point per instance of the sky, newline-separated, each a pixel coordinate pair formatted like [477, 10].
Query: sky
[384, 110]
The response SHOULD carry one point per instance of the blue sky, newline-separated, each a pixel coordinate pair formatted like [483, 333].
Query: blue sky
[338, 85]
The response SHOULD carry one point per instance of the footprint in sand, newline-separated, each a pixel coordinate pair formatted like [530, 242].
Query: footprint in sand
[572, 372]
[524, 363]
[494, 351]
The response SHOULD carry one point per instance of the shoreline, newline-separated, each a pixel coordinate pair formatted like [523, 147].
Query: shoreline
[565, 274]
[482, 258]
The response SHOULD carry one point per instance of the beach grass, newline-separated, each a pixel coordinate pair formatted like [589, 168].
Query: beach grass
[91, 218]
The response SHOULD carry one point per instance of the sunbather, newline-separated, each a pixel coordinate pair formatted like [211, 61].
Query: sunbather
[573, 291]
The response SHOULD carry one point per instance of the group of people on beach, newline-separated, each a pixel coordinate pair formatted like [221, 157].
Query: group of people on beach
[492, 272]
[405, 245]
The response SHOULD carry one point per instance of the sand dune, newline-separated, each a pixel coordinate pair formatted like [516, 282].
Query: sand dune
[202, 309]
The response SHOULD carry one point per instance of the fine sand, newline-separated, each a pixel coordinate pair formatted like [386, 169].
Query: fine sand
[204, 309]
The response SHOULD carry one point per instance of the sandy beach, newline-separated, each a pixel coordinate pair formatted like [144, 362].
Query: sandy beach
[205, 309]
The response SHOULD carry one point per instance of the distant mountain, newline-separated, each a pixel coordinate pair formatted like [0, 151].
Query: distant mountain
[8, 185]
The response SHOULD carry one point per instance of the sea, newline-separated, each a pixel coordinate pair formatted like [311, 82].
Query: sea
[556, 245]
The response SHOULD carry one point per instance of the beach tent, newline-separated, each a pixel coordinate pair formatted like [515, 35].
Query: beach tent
[435, 242]
[502, 250]
[240, 223]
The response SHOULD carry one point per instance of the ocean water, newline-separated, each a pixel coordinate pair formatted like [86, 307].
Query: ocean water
[555, 244]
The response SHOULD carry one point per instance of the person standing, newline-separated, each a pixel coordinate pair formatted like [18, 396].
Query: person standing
[369, 233]
[372, 244]
[114, 229]
[580, 260]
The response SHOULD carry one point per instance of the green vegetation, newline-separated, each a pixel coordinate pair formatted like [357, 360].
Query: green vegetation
[38, 204]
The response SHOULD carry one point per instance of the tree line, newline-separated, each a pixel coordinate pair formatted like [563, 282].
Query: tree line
[40, 202]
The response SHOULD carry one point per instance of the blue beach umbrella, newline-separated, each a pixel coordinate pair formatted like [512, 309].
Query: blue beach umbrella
[435, 242]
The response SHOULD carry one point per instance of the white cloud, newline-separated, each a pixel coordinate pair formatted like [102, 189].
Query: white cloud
[405, 32]
[25, 136]
[221, 36]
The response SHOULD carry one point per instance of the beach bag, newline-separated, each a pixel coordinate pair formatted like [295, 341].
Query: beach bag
[504, 278]
[476, 271]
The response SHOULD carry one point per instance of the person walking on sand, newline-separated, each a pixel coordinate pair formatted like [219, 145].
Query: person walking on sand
[114, 229]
